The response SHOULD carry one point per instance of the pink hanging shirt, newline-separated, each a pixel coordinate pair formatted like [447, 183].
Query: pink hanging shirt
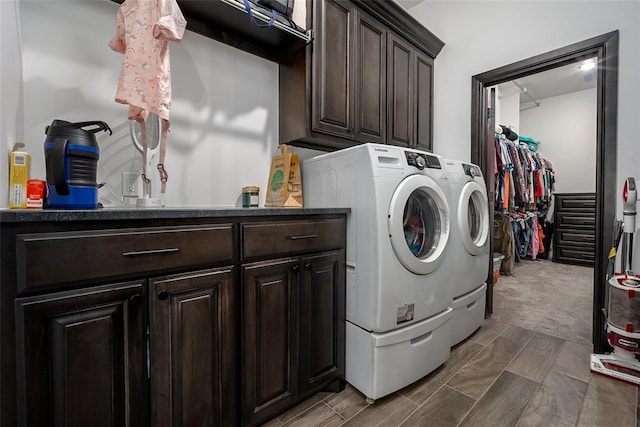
[143, 30]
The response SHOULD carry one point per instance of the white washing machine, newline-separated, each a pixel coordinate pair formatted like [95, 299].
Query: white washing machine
[398, 301]
[469, 255]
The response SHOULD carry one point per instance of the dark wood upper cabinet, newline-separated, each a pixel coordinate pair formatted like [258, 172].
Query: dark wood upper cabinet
[401, 98]
[81, 358]
[367, 77]
[333, 108]
[423, 102]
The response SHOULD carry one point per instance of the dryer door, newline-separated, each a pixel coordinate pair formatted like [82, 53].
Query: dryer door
[419, 223]
[473, 217]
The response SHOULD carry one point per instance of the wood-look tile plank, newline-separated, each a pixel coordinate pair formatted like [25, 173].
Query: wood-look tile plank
[478, 375]
[608, 402]
[503, 403]
[573, 360]
[537, 357]
[388, 411]
[460, 355]
[489, 330]
[319, 415]
[556, 403]
[303, 406]
[446, 407]
[347, 403]
[520, 336]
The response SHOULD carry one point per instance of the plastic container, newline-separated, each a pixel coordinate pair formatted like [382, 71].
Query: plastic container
[250, 197]
[497, 263]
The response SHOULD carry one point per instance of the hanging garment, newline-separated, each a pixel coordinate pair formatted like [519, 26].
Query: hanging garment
[507, 182]
[503, 242]
[143, 31]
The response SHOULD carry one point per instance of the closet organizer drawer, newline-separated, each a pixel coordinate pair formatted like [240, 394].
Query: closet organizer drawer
[576, 203]
[292, 237]
[46, 259]
[576, 237]
[576, 220]
[574, 255]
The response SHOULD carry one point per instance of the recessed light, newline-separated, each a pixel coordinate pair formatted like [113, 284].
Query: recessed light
[587, 66]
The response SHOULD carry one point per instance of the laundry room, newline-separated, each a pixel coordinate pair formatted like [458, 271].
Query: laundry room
[301, 228]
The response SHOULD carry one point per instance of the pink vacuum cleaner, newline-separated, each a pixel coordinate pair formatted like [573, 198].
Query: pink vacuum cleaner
[622, 302]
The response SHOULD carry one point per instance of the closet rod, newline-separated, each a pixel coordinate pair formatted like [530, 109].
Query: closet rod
[524, 90]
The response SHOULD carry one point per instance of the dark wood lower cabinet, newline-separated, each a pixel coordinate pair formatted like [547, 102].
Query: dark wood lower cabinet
[81, 357]
[322, 311]
[292, 332]
[269, 350]
[192, 341]
[228, 328]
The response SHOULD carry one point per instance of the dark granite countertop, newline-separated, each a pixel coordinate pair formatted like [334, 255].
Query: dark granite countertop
[167, 212]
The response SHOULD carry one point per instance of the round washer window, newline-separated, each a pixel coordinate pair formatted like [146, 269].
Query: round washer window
[474, 217]
[421, 224]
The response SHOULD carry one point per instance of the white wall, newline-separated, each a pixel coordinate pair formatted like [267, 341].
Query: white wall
[509, 113]
[224, 110]
[566, 128]
[482, 35]
[11, 119]
[224, 116]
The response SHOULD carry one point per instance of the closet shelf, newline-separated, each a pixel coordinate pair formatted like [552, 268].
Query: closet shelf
[227, 21]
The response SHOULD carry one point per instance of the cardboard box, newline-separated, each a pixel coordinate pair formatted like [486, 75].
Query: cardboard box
[18, 176]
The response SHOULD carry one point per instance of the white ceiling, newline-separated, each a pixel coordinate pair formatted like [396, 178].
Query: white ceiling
[555, 82]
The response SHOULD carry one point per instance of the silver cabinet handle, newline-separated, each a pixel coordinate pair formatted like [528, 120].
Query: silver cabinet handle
[308, 236]
[151, 252]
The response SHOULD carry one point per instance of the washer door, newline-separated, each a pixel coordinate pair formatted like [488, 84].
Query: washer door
[473, 217]
[419, 223]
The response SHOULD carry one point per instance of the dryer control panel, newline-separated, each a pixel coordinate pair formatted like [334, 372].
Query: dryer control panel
[422, 160]
[471, 170]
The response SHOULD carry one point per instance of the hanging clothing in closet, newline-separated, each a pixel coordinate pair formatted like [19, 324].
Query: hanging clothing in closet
[523, 178]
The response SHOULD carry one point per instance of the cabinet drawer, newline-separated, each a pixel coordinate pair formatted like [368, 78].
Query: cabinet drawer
[46, 259]
[578, 202]
[575, 255]
[577, 220]
[575, 237]
[290, 237]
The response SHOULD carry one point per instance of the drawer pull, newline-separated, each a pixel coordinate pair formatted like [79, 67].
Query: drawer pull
[163, 295]
[307, 236]
[151, 252]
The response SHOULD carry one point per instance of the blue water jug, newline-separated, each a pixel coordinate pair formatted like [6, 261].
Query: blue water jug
[71, 156]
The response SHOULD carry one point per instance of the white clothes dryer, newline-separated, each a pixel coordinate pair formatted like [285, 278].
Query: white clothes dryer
[398, 301]
[469, 260]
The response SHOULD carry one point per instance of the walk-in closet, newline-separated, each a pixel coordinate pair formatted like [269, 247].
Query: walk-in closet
[544, 204]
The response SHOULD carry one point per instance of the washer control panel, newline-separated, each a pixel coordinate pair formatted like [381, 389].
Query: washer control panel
[422, 160]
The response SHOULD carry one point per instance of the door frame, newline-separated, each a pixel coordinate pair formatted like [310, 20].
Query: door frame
[605, 48]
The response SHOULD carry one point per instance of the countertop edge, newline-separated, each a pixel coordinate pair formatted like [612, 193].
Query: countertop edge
[32, 215]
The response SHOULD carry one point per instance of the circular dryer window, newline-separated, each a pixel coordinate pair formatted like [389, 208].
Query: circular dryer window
[419, 223]
[473, 218]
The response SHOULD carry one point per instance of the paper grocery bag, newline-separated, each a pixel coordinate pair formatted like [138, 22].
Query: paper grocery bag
[284, 188]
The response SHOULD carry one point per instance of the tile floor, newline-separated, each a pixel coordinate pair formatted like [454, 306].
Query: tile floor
[503, 375]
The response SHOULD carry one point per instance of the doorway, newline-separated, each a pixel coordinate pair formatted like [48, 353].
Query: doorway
[605, 49]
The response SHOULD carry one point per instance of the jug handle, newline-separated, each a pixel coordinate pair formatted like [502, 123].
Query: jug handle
[101, 126]
[59, 170]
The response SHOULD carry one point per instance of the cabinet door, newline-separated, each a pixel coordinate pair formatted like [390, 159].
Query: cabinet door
[370, 75]
[332, 69]
[269, 349]
[400, 92]
[192, 336]
[81, 359]
[423, 102]
[322, 320]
